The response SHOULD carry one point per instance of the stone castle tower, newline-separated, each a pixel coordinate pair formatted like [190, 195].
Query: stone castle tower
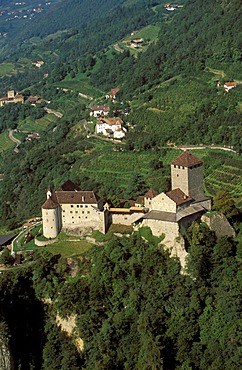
[51, 217]
[187, 174]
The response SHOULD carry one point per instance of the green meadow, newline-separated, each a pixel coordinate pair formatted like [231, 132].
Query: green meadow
[5, 142]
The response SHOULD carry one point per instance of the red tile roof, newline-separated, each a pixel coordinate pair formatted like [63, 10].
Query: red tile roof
[151, 193]
[69, 193]
[178, 197]
[186, 159]
[50, 203]
[104, 108]
[230, 84]
[76, 197]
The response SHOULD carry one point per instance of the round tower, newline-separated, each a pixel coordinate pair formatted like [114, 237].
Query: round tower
[51, 217]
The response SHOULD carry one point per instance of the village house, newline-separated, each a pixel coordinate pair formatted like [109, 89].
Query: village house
[113, 93]
[136, 43]
[33, 100]
[39, 63]
[229, 85]
[99, 110]
[110, 126]
[171, 7]
[34, 136]
[70, 208]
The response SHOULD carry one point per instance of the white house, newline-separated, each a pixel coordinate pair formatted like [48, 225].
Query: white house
[99, 110]
[229, 85]
[110, 126]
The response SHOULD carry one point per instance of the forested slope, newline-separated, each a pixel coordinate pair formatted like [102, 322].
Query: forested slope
[204, 34]
[131, 307]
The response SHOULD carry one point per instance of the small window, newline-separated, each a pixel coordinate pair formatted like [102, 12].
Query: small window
[76, 211]
[77, 206]
[71, 212]
[72, 206]
[177, 175]
[86, 206]
[88, 211]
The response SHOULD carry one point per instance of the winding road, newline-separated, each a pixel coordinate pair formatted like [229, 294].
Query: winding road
[16, 141]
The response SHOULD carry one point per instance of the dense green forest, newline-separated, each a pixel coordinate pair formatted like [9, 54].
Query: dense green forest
[132, 307]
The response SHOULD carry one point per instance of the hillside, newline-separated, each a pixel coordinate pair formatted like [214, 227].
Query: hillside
[119, 300]
[171, 89]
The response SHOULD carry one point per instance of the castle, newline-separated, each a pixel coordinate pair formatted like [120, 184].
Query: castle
[71, 209]
[11, 98]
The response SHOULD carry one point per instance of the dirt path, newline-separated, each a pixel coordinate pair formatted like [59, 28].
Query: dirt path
[11, 137]
[57, 114]
[118, 48]
[15, 140]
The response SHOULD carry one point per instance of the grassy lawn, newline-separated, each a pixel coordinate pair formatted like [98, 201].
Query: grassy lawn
[69, 248]
[5, 142]
[66, 245]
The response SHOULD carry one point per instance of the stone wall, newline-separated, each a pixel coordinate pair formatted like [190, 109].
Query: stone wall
[163, 203]
[43, 243]
[189, 180]
[125, 218]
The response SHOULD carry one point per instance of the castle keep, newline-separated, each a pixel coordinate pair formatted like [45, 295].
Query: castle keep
[71, 209]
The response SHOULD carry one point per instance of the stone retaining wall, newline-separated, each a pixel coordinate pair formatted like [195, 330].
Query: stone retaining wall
[43, 243]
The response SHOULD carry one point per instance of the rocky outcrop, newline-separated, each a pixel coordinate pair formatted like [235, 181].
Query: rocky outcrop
[219, 224]
[5, 356]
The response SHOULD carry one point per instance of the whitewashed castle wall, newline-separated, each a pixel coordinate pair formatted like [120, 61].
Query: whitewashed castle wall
[81, 215]
[163, 203]
[51, 222]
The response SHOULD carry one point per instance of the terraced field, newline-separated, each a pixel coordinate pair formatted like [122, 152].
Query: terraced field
[29, 125]
[224, 174]
[5, 142]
